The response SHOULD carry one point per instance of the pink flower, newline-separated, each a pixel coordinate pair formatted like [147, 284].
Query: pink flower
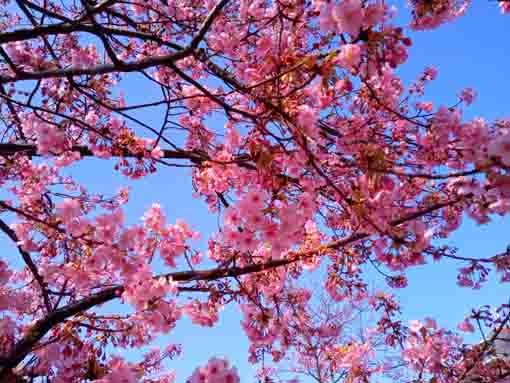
[137, 9]
[500, 148]
[216, 371]
[69, 209]
[467, 96]
[349, 56]
[153, 218]
[343, 85]
[435, 15]
[430, 323]
[307, 119]
[232, 138]
[232, 217]
[415, 325]
[425, 106]
[107, 225]
[326, 20]
[121, 372]
[349, 16]
[374, 14]
[505, 7]
[5, 274]
[430, 73]
[251, 202]
[49, 138]
[202, 314]
[91, 118]
[67, 158]
[264, 45]
[306, 116]
[251, 74]
[78, 226]
[326, 330]
[157, 153]
[466, 326]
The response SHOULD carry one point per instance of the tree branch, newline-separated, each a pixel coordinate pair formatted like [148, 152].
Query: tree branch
[29, 262]
[31, 150]
[132, 66]
[207, 24]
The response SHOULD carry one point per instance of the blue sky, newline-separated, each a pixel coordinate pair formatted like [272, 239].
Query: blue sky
[469, 52]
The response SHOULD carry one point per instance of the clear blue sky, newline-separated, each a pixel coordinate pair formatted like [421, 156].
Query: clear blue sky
[473, 51]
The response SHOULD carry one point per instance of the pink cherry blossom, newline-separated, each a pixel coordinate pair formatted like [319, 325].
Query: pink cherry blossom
[500, 148]
[467, 96]
[505, 7]
[349, 56]
[466, 326]
[349, 16]
[215, 371]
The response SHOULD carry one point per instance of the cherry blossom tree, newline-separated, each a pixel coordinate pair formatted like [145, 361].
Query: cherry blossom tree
[324, 343]
[298, 135]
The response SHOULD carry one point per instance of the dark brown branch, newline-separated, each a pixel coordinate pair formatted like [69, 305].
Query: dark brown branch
[211, 96]
[31, 150]
[133, 66]
[23, 34]
[106, 43]
[23, 347]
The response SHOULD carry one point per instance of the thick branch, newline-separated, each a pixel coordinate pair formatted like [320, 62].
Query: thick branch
[31, 150]
[24, 34]
[133, 66]
[23, 347]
